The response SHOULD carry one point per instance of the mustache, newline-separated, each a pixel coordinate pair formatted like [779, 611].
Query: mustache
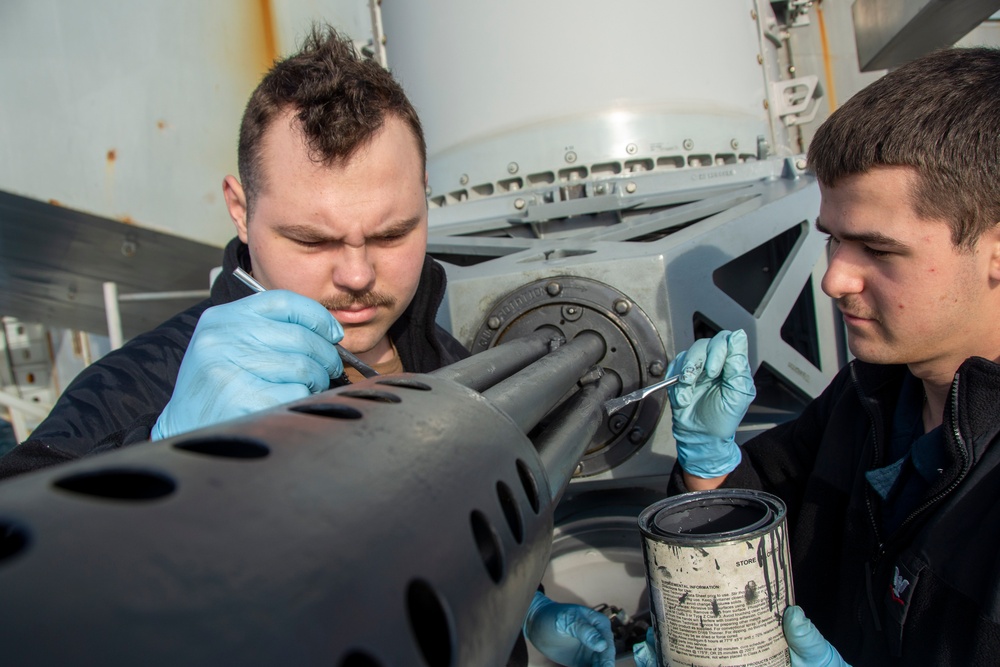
[363, 300]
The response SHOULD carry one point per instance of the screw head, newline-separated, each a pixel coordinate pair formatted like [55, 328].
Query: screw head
[129, 248]
[553, 288]
[512, 168]
[656, 369]
[622, 306]
[463, 179]
[688, 144]
[630, 188]
[519, 204]
[631, 149]
[617, 422]
[800, 164]
[734, 144]
[636, 436]
[570, 157]
[493, 323]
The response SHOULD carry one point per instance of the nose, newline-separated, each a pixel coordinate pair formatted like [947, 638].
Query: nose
[353, 271]
[842, 276]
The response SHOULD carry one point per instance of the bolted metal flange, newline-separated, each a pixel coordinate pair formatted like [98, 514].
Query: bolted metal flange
[569, 306]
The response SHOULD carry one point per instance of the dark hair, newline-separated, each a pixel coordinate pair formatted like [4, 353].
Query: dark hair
[342, 100]
[939, 114]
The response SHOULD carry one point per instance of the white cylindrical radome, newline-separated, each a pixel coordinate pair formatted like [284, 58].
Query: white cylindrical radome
[522, 93]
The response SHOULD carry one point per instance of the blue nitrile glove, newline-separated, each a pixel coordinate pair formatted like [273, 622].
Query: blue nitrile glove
[644, 653]
[261, 351]
[709, 402]
[806, 644]
[570, 634]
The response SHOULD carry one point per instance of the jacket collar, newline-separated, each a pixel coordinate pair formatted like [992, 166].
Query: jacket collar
[227, 287]
[971, 420]
[974, 404]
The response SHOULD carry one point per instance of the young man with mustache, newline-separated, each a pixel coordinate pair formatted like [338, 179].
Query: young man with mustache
[331, 218]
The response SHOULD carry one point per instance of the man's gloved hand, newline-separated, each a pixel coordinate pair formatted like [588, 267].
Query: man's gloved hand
[709, 402]
[806, 644]
[570, 634]
[644, 653]
[261, 351]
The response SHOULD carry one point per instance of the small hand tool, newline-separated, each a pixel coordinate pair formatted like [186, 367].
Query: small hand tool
[345, 356]
[616, 404]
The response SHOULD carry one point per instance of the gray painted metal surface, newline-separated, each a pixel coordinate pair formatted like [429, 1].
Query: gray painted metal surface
[741, 252]
[892, 33]
[53, 262]
[399, 521]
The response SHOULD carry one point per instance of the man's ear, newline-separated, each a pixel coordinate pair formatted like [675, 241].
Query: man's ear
[989, 243]
[236, 203]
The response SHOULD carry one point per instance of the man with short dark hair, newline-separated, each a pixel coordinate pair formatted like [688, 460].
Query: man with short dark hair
[331, 218]
[892, 475]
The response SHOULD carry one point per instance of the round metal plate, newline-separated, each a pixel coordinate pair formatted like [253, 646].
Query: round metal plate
[572, 305]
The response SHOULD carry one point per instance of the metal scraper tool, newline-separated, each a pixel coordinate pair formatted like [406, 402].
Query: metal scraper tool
[616, 404]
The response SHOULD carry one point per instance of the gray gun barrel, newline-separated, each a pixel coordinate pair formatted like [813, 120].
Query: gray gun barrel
[529, 395]
[483, 370]
[564, 441]
[404, 520]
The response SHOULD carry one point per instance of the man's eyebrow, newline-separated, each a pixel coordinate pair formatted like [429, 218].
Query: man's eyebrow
[302, 232]
[313, 234]
[871, 238]
[400, 227]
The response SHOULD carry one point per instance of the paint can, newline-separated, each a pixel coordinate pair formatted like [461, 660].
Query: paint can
[719, 577]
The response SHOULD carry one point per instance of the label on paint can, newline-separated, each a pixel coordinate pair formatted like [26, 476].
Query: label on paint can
[719, 576]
